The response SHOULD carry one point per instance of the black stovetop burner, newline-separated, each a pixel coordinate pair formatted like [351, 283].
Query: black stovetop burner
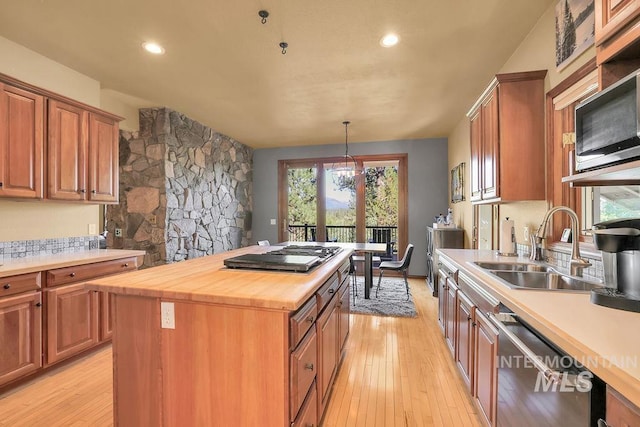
[289, 258]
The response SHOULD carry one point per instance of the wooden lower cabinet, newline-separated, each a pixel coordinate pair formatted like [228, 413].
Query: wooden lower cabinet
[345, 311]
[621, 412]
[308, 416]
[442, 299]
[485, 374]
[465, 310]
[450, 315]
[106, 315]
[327, 352]
[20, 336]
[72, 321]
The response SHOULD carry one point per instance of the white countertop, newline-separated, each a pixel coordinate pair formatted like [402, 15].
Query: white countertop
[47, 262]
[605, 340]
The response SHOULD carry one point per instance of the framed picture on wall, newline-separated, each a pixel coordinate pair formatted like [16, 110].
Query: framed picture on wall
[457, 183]
[575, 29]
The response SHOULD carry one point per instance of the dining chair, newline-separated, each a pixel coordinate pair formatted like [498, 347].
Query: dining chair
[263, 243]
[352, 273]
[402, 265]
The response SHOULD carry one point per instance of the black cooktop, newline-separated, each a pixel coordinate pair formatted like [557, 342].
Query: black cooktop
[295, 258]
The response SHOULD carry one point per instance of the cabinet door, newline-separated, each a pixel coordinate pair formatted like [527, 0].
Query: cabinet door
[475, 173]
[106, 317]
[442, 299]
[72, 321]
[103, 159]
[67, 151]
[344, 313]
[485, 374]
[464, 338]
[612, 15]
[490, 146]
[21, 143]
[621, 412]
[327, 352]
[20, 336]
[450, 324]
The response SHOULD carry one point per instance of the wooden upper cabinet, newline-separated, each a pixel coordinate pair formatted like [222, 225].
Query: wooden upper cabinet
[67, 144]
[81, 143]
[490, 145]
[507, 139]
[612, 15]
[476, 153]
[103, 158]
[21, 143]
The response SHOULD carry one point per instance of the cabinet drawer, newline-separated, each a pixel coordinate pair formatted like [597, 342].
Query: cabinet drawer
[12, 285]
[308, 416]
[303, 370]
[63, 276]
[343, 271]
[302, 321]
[327, 291]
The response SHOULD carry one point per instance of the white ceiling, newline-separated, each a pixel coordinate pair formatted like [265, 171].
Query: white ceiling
[224, 68]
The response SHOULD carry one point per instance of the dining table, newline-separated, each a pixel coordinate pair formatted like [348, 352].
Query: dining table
[368, 249]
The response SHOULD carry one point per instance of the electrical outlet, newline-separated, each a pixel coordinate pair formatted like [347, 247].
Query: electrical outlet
[273, 221]
[168, 317]
[92, 229]
[152, 219]
[118, 232]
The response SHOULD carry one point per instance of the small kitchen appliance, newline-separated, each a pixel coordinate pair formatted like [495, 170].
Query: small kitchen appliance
[620, 242]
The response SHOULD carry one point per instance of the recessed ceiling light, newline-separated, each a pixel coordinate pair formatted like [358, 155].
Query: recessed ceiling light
[154, 48]
[389, 40]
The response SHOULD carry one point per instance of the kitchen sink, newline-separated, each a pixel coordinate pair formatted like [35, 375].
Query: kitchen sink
[514, 266]
[545, 280]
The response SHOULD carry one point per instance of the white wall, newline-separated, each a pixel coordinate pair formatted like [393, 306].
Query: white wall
[42, 220]
[428, 178]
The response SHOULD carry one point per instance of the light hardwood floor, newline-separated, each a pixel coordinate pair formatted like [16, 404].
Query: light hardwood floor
[396, 372]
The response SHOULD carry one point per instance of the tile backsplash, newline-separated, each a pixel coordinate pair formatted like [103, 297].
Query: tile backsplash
[32, 248]
[561, 259]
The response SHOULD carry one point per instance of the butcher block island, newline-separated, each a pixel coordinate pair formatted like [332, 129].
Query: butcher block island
[197, 343]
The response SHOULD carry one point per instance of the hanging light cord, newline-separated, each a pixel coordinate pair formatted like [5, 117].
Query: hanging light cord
[346, 142]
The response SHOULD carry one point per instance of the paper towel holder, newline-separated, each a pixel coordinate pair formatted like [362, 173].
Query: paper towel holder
[513, 247]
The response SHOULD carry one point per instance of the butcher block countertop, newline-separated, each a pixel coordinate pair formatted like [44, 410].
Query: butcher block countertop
[11, 267]
[207, 280]
[605, 340]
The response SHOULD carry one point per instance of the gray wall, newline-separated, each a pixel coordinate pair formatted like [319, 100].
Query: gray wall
[428, 185]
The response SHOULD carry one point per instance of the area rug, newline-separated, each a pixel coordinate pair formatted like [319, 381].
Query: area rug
[391, 301]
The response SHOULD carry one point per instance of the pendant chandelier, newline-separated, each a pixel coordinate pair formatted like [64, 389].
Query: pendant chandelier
[347, 166]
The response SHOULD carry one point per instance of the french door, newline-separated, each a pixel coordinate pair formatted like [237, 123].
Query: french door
[320, 201]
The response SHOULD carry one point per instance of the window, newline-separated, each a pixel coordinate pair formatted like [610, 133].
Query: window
[317, 203]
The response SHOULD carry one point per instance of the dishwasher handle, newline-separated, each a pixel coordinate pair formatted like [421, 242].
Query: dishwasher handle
[549, 374]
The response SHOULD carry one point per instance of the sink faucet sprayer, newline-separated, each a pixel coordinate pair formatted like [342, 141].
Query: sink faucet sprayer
[577, 263]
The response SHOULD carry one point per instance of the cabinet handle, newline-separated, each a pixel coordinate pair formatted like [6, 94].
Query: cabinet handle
[473, 325]
[38, 304]
[310, 319]
[331, 291]
[72, 275]
[93, 191]
[308, 366]
[7, 285]
[1, 184]
[126, 264]
[83, 191]
[468, 317]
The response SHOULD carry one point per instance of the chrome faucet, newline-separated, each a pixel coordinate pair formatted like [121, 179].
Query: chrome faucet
[577, 263]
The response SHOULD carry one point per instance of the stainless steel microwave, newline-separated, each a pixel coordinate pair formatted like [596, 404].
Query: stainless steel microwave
[608, 126]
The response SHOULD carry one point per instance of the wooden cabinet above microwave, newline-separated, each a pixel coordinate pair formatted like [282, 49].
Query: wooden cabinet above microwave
[507, 139]
[81, 143]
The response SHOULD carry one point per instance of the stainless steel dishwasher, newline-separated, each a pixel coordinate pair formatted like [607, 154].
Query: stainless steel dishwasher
[538, 384]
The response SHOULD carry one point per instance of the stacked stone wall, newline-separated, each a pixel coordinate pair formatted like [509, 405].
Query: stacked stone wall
[185, 190]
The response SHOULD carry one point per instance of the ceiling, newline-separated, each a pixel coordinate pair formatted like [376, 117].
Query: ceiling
[224, 68]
